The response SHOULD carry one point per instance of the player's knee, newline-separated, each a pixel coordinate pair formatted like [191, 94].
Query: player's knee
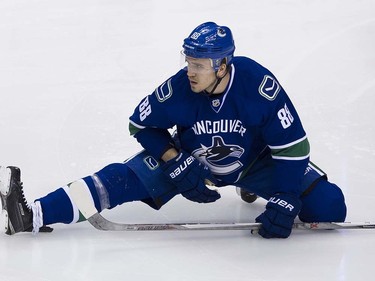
[326, 203]
[109, 183]
[338, 206]
[117, 184]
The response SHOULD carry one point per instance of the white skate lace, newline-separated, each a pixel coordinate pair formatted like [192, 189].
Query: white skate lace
[37, 216]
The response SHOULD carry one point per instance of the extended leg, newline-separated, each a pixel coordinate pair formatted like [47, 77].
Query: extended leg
[113, 185]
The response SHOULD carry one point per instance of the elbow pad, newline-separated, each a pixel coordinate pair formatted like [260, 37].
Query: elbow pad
[155, 141]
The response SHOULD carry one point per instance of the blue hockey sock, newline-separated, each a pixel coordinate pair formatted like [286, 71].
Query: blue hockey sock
[57, 207]
[113, 185]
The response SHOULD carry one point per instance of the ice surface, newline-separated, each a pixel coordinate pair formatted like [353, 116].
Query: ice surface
[71, 73]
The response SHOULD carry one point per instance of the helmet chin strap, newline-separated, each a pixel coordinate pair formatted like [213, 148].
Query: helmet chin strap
[218, 80]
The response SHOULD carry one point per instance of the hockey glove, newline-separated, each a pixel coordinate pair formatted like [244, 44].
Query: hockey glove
[189, 176]
[277, 221]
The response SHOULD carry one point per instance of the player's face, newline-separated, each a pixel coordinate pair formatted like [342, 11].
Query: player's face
[201, 74]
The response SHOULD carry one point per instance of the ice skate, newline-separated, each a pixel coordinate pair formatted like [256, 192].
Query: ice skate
[17, 214]
[246, 196]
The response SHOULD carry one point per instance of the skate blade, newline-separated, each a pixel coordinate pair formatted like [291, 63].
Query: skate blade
[238, 191]
[5, 174]
[5, 220]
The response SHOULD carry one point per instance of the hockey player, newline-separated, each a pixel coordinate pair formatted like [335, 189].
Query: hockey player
[234, 124]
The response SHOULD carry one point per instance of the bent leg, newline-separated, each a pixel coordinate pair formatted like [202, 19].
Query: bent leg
[324, 203]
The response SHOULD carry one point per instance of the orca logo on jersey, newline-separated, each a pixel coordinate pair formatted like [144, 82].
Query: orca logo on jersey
[269, 88]
[220, 152]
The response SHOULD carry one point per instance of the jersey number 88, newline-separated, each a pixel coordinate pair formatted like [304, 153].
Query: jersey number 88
[144, 109]
[286, 118]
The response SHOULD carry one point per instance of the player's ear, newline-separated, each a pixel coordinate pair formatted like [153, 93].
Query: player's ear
[222, 69]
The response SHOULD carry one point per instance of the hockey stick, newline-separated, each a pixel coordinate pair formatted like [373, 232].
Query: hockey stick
[101, 223]
[81, 195]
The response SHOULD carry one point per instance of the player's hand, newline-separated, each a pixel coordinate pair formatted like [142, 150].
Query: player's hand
[277, 221]
[190, 176]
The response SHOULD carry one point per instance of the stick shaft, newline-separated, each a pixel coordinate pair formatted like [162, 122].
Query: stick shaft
[99, 222]
[81, 195]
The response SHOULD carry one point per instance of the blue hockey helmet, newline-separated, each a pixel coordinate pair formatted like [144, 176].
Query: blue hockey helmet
[211, 41]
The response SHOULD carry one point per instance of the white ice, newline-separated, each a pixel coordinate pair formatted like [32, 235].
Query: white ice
[71, 73]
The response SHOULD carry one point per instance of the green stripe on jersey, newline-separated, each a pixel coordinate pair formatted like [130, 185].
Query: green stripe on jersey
[296, 151]
[133, 129]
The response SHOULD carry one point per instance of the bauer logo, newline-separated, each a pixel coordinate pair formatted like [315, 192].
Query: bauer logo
[282, 203]
[269, 88]
[182, 167]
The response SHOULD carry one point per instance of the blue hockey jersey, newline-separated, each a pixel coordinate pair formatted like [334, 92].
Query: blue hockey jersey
[228, 131]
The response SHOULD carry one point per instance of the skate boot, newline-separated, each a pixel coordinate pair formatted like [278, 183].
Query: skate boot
[245, 195]
[17, 214]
